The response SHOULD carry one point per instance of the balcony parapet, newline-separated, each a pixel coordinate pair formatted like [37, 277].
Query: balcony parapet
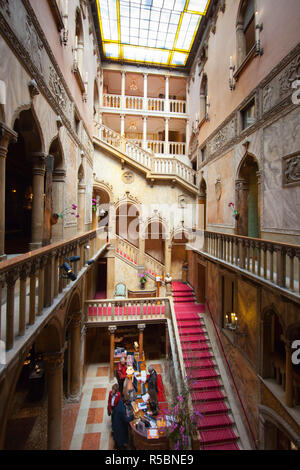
[274, 263]
[32, 287]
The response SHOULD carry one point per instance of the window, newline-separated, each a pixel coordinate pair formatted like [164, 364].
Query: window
[249, 26]
[245, 30]
[248, 115]
[203, 154]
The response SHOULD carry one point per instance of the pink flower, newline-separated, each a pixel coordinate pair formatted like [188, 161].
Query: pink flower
[180, 398]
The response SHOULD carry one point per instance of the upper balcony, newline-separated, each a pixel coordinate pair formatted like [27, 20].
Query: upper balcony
[144, 94]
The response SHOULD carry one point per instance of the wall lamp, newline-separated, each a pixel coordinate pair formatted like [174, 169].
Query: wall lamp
[231, 323]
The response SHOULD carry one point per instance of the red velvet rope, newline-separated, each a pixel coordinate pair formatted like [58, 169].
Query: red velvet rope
[252, 434]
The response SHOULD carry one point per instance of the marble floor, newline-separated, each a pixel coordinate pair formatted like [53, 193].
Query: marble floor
[86, 425]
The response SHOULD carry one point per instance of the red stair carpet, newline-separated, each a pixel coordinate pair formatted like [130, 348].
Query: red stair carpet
[215, 427]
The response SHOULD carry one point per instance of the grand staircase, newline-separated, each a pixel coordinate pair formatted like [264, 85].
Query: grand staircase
[216, 426]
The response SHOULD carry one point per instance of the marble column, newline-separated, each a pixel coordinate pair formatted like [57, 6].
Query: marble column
[141, 328]
[54, 371]
[168, 254]
[7, 135]
[122, 130]
[145, 100]
[38, 180]
[166, 136]
[167, 92]
[145, 133]
[112, 329]
[123, 99]
[58, 188]
[242, 191]
[187, 136]
[81, 207]
[75, 363]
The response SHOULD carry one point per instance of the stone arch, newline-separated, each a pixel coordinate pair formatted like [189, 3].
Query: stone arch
[273, 337]
[156, 234]
[25, 170]
[271, 422]
[30, 107]
[248, 197]
[103, 195]
[127, 215]
[72, 340]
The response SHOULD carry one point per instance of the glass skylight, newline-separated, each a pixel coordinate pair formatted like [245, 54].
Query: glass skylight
[152, 31]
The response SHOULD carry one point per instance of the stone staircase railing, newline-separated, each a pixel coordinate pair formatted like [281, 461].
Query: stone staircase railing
[154, 166]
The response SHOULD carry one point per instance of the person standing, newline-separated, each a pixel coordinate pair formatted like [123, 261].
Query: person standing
[152, 379]
[113, 399]
[120, 423]
[121, 374]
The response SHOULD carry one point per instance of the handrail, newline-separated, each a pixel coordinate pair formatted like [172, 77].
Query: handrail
[231, 374]
[261, 240]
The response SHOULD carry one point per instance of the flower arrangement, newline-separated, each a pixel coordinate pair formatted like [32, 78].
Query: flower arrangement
[235, 212]
[143, 279]
[70, 210]
[184, 421]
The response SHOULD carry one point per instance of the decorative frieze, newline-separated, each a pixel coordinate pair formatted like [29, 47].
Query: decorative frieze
[227, 133]
[291, 169]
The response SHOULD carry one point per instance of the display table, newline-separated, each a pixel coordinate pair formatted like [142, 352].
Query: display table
[140, 441]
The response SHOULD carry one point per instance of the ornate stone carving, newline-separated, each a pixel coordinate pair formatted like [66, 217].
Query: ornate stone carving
[4, 5]
[58, 89]
[33, 88]
[291, 169]
[128, 177]
[224, 135]
[288, 76]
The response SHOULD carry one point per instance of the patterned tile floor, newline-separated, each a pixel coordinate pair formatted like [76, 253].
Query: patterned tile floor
[86, 425]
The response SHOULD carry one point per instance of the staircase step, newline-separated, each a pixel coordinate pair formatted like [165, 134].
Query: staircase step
[191, 331]
[229, 446]
[195, 346]
[214, 422]
[209, 395]
[198, 364]
[211, 408]
[203, 373]
[206, 385]
[196, 355]
[192, 338]
[217, 436]
[189, 324]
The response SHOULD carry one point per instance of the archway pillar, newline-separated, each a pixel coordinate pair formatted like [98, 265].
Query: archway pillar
[241, 192]
[54, 369]
[75, 363]
[38, 178]
[81, 207]
[141, 328]
[112, 329]
[58, 183]
[7, 135]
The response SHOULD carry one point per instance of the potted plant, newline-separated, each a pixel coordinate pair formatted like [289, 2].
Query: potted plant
[183, 429]
[235, 212]
[143, 279]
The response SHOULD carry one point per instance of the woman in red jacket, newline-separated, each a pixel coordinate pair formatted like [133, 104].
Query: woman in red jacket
[113, 399]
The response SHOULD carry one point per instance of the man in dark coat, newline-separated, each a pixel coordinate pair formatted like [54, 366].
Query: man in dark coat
[120, 421]
[152, 379]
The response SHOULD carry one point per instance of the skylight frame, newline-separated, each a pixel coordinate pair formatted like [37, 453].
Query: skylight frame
[153, 42]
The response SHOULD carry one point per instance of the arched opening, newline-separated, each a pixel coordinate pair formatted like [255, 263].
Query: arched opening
[275, 432]
[273, 355]
[178, 257]
[245, 29]
[100, 208]
[127, 223]
[28, 410]
[24, 218]
[202, 205]
[247, 198]
[155, 235]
